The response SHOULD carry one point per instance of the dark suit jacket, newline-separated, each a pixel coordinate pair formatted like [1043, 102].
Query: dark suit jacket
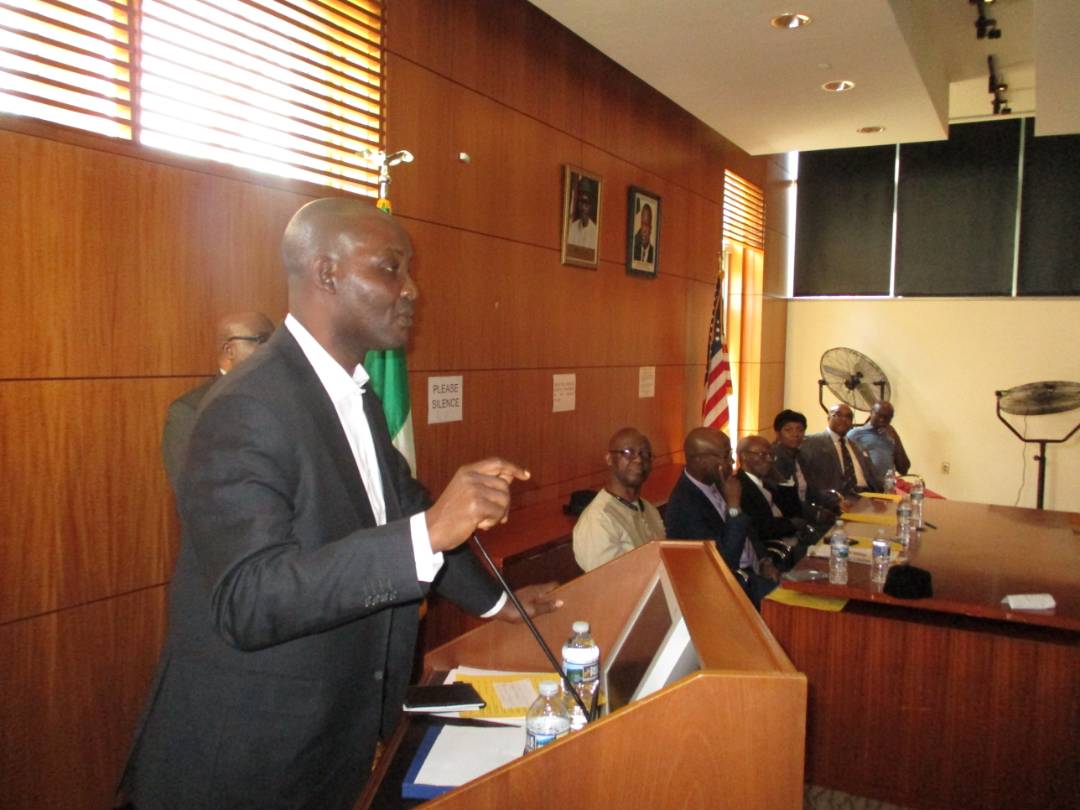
[643, 251]
[821, 464]
[690, 515]
[179, 421]
[292, 617]
[766, 525]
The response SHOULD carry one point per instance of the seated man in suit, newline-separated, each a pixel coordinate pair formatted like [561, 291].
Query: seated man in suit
[831, 462]
[777, 532]
[706, 504]
[618, 519]
[881, 441]
[238, 336]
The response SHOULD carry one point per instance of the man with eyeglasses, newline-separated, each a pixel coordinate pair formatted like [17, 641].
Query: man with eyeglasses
[237, 337]
[618, 519]
[777, 532]
[706, 504]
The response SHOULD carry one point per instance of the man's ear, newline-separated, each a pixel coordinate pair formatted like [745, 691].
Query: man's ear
[325, 273]
[607, 459]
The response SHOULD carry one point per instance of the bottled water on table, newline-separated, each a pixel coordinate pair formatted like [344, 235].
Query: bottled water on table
[879, 559]
[838, 555]
[890, 481]
[903, 522]
[581, 663]
[918, 492]
[547, 719]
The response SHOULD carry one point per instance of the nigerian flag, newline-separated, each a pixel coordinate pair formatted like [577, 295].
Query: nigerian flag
[390, 380]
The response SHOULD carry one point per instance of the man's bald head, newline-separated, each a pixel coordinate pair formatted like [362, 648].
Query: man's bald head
[881, 414]
[347, 265]
[840, 419]
[629, 459]
[755, 455]
[238, 335]
[708, 455]
[321, 226]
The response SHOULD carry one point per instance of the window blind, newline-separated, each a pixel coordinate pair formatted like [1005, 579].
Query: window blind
[744, 211]
[289, 87]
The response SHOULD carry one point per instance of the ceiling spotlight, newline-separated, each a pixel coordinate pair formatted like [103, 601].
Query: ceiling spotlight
[870, 130]
[838, 86]
[985, 27]
[790, 20]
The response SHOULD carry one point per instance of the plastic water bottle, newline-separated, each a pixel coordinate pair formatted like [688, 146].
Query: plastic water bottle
[879, 559]
[918, 492]
[581, 663]
[890, 481]
[838, 555]
[903, 522]
[547, 719]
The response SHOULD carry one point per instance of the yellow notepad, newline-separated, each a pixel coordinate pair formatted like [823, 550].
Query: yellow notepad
[883, 496]
[869, 517]
[799, 599]
[508, 694]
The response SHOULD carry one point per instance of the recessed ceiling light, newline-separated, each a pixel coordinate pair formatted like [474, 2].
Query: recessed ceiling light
[838, 86]
[790, 20]
[870, 130]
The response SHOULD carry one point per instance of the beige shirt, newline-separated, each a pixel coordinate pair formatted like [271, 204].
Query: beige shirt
[608, 528]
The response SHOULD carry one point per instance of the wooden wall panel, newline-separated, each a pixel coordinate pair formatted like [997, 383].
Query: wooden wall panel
[71, 688]
[520, 58]
[88, 512]
[116, 266]
[516, 306]
[509, 413]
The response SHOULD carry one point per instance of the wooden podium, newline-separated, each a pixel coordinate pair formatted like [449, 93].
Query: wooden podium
[731, 734]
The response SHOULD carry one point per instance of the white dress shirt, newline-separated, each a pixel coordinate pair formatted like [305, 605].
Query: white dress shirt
[860, 479]
[347, 394]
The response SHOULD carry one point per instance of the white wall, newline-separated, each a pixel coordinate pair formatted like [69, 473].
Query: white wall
[944, 359]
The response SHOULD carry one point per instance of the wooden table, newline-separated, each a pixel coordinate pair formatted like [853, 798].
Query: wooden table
[951, 701]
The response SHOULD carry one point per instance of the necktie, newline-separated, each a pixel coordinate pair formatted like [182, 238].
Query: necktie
[848, 465]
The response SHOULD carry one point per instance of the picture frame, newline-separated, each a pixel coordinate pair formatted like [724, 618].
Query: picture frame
[582, 196]
[642, 232]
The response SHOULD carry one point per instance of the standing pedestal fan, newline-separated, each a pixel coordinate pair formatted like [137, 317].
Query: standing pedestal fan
[852, 377]
[1039, 399]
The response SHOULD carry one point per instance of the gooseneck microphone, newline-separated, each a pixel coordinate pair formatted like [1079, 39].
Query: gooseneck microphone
[536, 633]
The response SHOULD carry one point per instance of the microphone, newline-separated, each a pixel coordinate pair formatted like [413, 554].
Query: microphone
[590, 714]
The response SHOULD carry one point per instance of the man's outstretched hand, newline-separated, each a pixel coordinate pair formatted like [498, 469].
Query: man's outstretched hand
[536, 599]
[477, 497]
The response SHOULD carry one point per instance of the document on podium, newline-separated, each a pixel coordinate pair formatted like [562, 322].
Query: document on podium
[451, 755]
[508, 694]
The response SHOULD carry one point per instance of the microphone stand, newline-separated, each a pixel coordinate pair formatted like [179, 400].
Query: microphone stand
[589, 714]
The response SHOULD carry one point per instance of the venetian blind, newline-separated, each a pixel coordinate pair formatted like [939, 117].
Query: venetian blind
[69, 63]
[744, 211]
[287, 87]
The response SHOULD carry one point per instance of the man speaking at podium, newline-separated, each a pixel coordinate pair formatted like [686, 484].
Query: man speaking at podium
[307, 547]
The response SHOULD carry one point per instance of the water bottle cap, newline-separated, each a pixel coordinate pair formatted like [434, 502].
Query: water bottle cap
[839, 524]
[549, 688]
[580, 627]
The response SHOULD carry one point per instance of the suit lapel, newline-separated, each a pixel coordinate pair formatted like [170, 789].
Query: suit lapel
[327, 422]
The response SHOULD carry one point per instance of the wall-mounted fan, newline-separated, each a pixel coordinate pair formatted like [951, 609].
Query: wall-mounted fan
[853, 378]
[1037, 399]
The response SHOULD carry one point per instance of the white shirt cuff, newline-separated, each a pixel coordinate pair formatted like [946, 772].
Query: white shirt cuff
[428, 562]
[496, 609]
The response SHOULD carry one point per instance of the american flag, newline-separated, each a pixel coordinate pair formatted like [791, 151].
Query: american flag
[714, 411]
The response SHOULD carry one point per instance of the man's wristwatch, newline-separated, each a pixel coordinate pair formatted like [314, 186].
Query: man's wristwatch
[734, 511]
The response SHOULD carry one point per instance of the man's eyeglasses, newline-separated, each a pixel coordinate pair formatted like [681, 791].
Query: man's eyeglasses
[758, 453]
[259, 339]
[630, 453]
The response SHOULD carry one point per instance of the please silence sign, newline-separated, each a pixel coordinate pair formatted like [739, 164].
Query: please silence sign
[444, 399]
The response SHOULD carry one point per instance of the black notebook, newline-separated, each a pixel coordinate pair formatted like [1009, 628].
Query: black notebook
[450, 697]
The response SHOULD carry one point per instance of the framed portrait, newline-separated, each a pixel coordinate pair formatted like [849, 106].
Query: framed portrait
[581, 217]
[642, 233]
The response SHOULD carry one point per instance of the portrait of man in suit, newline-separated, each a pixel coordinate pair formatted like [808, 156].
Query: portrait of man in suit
[307, 547]
[644, 224]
